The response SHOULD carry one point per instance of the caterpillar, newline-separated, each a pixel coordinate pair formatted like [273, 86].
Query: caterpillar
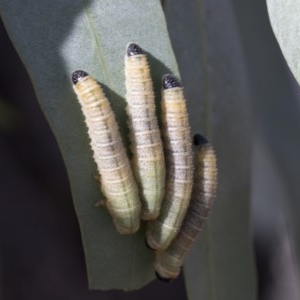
[179, 162]
[117, 181]
[168, 263]
[147, 147]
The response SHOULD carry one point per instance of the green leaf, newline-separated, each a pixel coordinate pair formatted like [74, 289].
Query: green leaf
[208, 49]
[280, 113]
[284, 16]
[54, 38]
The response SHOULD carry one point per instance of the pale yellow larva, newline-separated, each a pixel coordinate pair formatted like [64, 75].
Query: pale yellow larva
[146, 143]
[117, 182]
[179, 162]
[168, 263]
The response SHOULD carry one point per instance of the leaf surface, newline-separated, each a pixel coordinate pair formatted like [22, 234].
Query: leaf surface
[54, 38]
[284, 17]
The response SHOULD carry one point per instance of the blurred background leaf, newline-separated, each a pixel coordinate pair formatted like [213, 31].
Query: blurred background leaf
[284, 17]
[276, 106]
[283, 121]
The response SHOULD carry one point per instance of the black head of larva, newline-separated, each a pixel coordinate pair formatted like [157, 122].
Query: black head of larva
[163, 279]
[199, 140]
[170, 81]
[134, 49]
[77, 75]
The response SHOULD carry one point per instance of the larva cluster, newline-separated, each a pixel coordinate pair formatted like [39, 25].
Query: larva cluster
[168, 263]
[147, 148]
[118, 183]
[163, 191]
[178, 150]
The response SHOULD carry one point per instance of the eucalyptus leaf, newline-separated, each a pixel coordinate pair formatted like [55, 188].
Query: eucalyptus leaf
[209, 53]
[54, 38]
[285, 21]
[278, 104]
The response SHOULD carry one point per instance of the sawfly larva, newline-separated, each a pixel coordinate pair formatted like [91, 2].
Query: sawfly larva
[146, 143]
[168, 262]
[179, 162]
[117, 181]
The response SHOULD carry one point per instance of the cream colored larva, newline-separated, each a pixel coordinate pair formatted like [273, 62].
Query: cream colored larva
[179, 162]
[117, 182]
[146, 143]
[168, 263]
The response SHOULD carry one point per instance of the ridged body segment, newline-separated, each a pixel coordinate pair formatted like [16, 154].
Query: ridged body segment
[179, 162]
[117, 180]
[168, 263]
[146, 142]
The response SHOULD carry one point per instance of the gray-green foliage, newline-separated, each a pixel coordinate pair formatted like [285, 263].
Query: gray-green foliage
[284, 17]
[284, 112]
[54, 38]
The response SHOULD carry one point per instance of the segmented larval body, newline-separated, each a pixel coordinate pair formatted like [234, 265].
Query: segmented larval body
[168, 263]
[117, 180]
[146, 143]
[179, 162]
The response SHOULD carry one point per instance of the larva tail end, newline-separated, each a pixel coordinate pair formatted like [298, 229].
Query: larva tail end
[148, 246]
[78, 75]
[170, 81]
[163, 279]
[148, 216]
[199, 140]
[127, 231]
[151, 243]
[134, 49]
